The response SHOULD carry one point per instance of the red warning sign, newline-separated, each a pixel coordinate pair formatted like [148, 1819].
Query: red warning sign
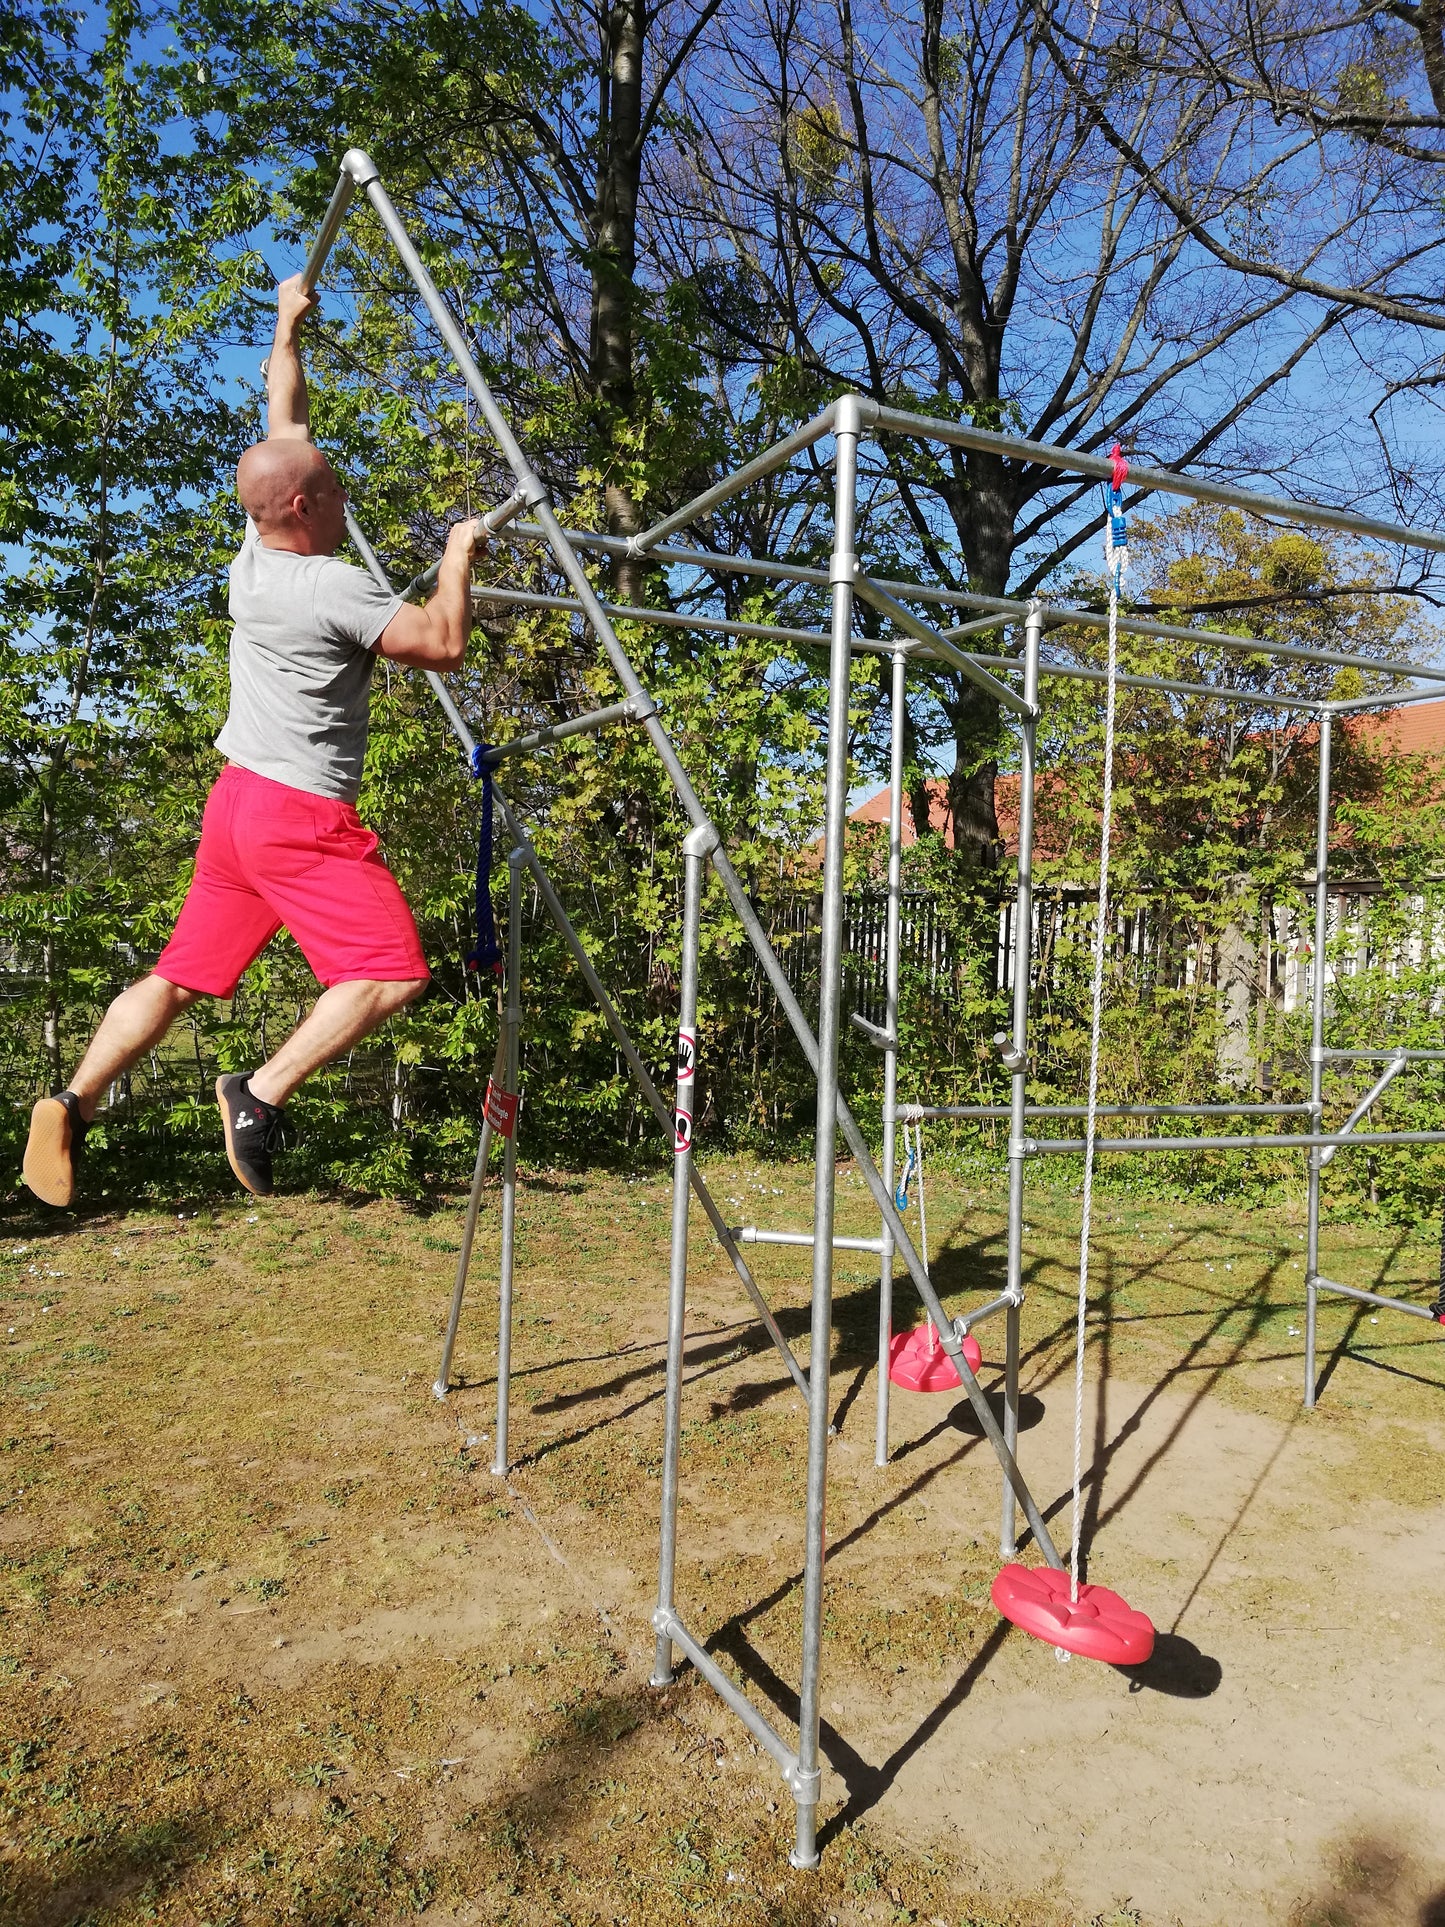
[500, 1109]
[686, 1072]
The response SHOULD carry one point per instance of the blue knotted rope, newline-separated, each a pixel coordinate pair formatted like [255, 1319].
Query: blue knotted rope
[1116, 545]
[487, 954]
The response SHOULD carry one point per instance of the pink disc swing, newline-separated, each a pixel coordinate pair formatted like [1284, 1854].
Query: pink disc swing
[916, 1359]
[1052, 1605]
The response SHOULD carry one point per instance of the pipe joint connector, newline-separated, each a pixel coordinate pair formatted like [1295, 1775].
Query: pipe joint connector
[1011, 1057]
[664, 1621]
[848, 415]
[495, 520]
[360, 166]
[512, 1014]
[639, 708]
[842, 569]
[1013, 1296]
[701, 840]
[532, 491]
[517, 858]
[804, 1787]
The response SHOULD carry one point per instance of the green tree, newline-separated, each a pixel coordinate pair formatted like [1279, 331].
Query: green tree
[115, 433]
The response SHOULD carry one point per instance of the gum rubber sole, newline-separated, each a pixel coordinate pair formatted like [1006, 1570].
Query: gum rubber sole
[231, 1159]
[49, 1167]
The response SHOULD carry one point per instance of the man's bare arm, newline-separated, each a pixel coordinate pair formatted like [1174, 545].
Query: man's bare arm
[435, 637]
[288, 414]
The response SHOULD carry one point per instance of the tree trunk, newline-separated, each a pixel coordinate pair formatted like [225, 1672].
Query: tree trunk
[985, 520]
[614, 264]
[1427, 18]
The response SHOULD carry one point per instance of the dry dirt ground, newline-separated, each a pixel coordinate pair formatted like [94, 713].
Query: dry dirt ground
[277, 1646]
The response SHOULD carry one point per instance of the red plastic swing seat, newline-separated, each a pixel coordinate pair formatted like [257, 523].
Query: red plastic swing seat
[918, 1362]
[1097, 1625]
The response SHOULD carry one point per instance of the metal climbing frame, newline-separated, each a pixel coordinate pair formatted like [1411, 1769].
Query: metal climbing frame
[845, 421]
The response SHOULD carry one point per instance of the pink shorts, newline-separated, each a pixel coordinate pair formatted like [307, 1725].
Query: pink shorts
[270, 856]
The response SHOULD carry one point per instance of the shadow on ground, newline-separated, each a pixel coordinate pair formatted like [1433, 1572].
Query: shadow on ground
[1372, 1881]
[1175, 1668]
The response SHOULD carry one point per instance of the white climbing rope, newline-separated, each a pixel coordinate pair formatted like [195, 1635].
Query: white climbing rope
[1116, 559]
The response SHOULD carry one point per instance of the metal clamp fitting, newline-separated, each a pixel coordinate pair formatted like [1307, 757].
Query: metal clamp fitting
[879, 1038]
[639, 708]
[804, 1787]
[701, 840]
[1021, 1147]
[663, 1620]
[1012, 1058]
[532, 491]
[1318, 1054]
[495, 520]
[842, 567]
[512, 1014]
[1014, 1294]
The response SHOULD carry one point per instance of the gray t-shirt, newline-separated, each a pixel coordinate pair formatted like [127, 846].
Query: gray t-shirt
[301, 662]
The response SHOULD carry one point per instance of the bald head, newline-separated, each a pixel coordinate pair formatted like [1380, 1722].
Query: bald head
[286, 486]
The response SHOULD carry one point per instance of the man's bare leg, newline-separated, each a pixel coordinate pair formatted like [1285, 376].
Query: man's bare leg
[339, 1018]
[137, 1021]
[250, 1106]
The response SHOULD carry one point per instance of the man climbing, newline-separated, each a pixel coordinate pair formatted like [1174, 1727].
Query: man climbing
[281, 843]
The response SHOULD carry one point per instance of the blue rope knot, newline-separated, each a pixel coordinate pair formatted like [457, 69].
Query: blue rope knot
[487, 953]
[1114, 509]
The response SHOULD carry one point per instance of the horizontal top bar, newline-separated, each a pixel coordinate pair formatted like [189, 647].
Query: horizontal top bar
[1396, 700]
[1297, 1141]
[916, 1111]
[872, 645]
[1387, 1056]
[1014, 610]
[1070, 461]
[1174, 686]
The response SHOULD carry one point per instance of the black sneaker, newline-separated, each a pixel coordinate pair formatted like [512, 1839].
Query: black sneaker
[57, 1131]
[254, 1132]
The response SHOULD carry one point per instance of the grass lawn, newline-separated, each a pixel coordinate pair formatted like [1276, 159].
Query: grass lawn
[276, 1645]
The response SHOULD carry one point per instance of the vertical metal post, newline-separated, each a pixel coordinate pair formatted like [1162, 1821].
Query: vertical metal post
[442, 1383]
[697, 846]
[1023, 949]
[841, 574]
[511, 1077]
[890, 1025]
[1317, 1051]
